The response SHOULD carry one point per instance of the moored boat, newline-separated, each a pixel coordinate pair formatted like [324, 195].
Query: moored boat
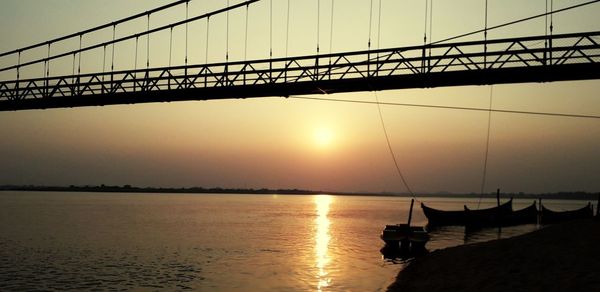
[403, 235]
[527, 215]
[443, 218]
[548, 216]
[466, 217]
[488, 217]
[407, 238]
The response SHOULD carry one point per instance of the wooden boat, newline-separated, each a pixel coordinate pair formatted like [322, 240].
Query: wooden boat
[503, 216]
[488, 217]
[443, 218]
[483, 217]
[407, 238]
[527, 215]
[549, 216]
[404, 235]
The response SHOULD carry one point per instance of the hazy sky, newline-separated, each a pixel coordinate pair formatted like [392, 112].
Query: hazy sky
[288, 143]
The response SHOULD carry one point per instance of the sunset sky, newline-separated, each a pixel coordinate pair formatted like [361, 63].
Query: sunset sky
[274, 142]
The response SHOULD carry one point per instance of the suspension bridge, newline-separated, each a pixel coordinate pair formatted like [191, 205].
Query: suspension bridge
[448, 62]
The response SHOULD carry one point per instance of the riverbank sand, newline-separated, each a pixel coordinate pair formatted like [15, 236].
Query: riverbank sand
[563, 257]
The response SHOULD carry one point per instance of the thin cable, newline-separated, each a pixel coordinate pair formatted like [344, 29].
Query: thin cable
[486, 22]
[546, 33]
[551, 16]
[430, 32]
[287, 30]
[425, 25]
[387, 139]
[246, 35]
[136, 56]
[485, 36]
[19, 66]
[546, 20]
[130, 37]
[207, 39]
[517, 21]
[253, 1]
[370, 24]
[379, 26]
[227, 35]
[319, 24]
[378, 37]
[148, 45]
[73, 72]
[48, 68]
[103, 63]
[80, 53]
[186, 32]
[270, 29]
[87, 31]
[331, 27]
[487, 147]
[171, 47]
[112, 65]
[566, 115]
[430, 24]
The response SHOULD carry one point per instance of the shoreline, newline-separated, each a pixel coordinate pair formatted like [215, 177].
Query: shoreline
[265, 191]
[562, 257]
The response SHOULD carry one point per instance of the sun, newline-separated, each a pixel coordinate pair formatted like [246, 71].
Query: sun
[323, 137]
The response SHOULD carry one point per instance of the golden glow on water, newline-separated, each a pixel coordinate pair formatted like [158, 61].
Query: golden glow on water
[322, 238]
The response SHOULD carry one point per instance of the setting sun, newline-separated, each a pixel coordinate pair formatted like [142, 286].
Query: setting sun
[323, 137]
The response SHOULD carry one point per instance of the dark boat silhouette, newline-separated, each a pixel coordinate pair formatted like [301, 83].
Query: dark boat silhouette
[404, 236]
[443, 218]
[527, 215]
[502, 215]
[467, 216]
[548, 216]
[488, 217]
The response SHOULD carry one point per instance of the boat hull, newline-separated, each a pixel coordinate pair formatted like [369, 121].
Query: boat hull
[548, 216]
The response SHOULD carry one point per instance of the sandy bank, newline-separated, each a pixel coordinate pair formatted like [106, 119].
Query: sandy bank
[563, 257]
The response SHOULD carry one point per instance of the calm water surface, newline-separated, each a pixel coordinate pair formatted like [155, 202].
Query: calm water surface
[84, 241]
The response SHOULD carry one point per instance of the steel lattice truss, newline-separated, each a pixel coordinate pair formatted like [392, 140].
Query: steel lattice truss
[515, 60]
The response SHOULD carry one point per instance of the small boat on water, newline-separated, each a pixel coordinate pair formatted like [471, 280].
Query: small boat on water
[407, 238]
[548, 216]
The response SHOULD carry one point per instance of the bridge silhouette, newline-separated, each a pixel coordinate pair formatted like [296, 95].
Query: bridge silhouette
[544, 58]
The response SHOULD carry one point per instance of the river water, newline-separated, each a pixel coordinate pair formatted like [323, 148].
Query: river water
[210, 242]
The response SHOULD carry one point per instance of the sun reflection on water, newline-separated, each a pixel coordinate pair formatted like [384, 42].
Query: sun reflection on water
[322, 238]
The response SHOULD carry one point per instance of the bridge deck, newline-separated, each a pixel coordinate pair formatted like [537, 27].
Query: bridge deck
[516, 60]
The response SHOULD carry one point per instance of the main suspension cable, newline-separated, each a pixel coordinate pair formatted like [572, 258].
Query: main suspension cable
[114, 23]
[516, 21]
[137, 35]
